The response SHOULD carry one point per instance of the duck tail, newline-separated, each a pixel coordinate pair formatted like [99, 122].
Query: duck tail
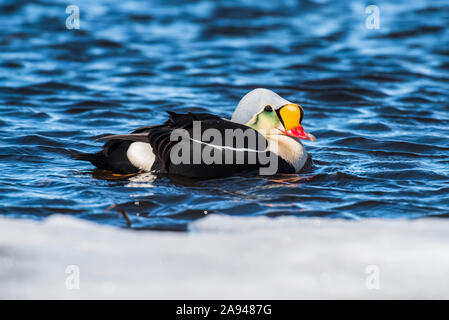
[82, 156]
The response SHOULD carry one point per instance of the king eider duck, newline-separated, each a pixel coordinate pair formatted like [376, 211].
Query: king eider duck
[264, 134]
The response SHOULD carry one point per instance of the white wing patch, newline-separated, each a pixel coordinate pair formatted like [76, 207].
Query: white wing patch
[141, 155]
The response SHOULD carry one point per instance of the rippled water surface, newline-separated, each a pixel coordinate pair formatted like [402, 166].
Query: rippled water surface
[377, 101]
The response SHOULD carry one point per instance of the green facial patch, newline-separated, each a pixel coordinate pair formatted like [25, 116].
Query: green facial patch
[265, 120]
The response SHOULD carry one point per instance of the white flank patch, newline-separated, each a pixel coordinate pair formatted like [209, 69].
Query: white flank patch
[141, 155]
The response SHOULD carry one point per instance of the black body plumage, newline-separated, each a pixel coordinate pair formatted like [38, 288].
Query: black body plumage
[113, 156]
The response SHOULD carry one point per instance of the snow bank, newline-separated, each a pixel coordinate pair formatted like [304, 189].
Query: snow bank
[226, 257]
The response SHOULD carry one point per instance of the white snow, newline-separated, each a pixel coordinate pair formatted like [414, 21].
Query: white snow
[226, 257]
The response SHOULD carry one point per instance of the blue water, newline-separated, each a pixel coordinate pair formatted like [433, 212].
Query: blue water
[376, 99]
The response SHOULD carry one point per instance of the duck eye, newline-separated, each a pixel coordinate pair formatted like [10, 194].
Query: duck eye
[268, 108]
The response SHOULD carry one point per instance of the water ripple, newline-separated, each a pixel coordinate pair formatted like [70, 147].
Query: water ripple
[375, 99]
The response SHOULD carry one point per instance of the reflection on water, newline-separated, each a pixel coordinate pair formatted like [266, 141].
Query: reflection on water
[376, 99]
[142, 180]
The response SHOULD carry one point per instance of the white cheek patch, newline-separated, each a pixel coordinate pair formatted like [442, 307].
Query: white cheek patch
[141, 155]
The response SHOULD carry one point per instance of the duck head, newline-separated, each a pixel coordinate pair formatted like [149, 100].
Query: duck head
[262, 109]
